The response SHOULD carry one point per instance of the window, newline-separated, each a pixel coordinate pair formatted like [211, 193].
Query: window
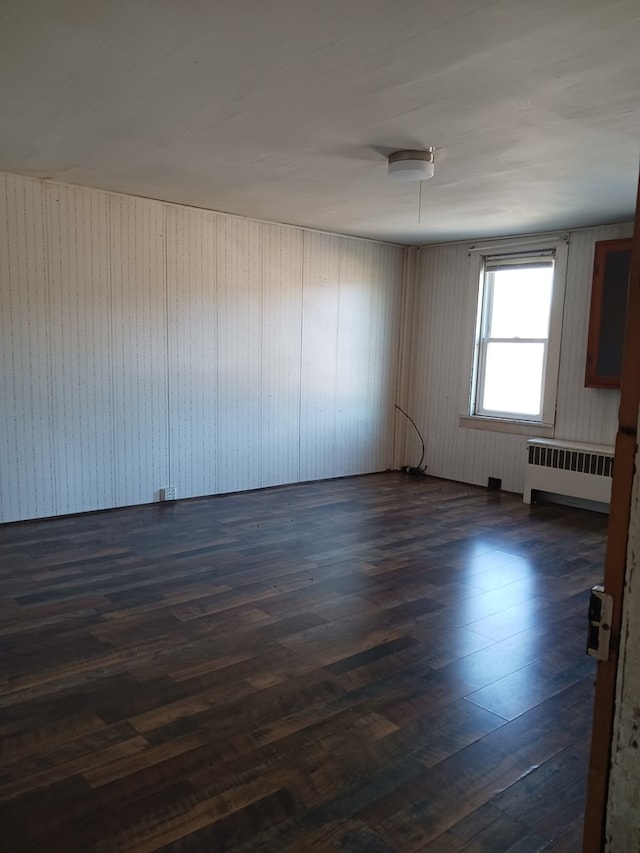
[517, 302]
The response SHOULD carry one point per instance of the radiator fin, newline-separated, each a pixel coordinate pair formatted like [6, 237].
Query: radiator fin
[571, 460]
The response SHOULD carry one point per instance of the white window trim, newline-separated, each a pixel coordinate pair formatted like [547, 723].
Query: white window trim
[545, 426]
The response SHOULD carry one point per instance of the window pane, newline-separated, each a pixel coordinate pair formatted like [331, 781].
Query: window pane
[521, 302]
[513, 378]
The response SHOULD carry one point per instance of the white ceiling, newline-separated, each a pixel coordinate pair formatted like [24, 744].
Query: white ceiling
[284, 109]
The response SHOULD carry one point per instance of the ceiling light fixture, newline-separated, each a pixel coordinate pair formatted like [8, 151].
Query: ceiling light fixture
[411, 165]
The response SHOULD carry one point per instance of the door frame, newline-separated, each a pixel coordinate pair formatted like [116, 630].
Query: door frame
[616, 560]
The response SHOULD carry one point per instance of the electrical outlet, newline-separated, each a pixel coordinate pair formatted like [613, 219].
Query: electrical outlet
[168, 494]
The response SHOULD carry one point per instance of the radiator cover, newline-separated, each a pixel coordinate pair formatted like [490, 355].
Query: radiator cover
[568, 468]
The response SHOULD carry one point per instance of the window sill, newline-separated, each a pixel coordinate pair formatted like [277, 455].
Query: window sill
[529, 428]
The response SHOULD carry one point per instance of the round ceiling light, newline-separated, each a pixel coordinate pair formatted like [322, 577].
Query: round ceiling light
[411, 165]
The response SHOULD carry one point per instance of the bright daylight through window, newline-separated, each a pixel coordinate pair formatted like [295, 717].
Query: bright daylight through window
[512, 337]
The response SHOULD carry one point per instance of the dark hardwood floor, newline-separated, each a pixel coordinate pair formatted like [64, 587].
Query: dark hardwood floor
[367, 665]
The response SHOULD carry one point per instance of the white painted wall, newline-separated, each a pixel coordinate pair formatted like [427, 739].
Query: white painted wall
[623, 810]
[144, 344]
[437, 372]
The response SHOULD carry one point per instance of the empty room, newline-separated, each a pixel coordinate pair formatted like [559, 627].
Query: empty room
[320, 377]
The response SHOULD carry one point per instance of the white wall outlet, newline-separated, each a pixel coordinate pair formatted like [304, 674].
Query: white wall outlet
[168, 494]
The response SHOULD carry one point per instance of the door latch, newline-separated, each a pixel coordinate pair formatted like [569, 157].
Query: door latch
[599, 632]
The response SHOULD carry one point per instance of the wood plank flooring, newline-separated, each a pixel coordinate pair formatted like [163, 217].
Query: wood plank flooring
[366, 665]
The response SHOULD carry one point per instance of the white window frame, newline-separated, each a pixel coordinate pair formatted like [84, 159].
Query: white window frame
[557, 247]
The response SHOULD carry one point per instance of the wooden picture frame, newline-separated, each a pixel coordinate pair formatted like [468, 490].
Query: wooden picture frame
[609, 292]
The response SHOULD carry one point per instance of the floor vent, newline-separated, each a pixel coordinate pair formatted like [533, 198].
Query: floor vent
[565, 468]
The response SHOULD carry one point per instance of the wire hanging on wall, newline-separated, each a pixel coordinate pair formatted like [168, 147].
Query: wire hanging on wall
[419, 469]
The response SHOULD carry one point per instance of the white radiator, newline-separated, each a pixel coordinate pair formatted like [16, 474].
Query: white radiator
[564, 468]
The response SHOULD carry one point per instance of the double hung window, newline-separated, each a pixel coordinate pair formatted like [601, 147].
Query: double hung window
[518, 299]
[514, 337]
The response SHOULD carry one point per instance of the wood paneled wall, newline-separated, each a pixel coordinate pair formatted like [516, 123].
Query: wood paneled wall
[145, 344]
[471, 455]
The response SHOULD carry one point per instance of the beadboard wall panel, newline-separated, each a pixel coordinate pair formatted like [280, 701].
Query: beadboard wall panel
[320, 309]
[147, 345]
[26, 448]
[239, 353]
[439, 348]
[351, 313]
[139, 349]
[438, 354]
[81, 348]
[280, 360]
[387, 330]
[367, 318]
[192, 350]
